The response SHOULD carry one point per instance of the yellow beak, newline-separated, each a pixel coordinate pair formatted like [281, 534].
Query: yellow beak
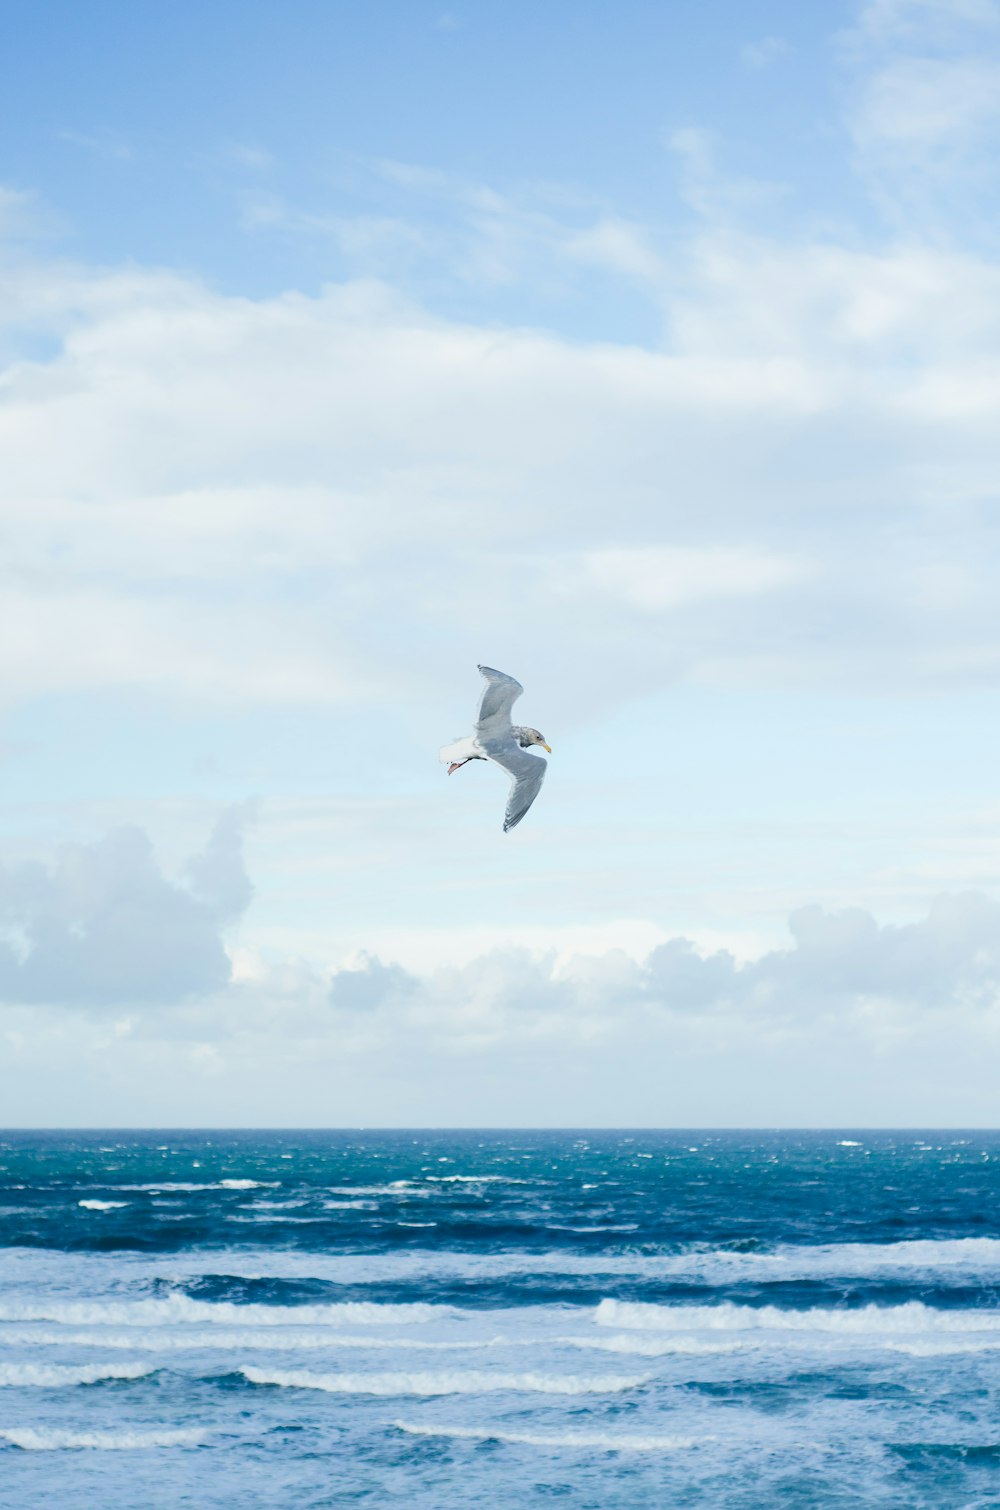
[546, 747]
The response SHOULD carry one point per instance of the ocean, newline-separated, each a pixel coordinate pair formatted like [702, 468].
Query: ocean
[609, 1320]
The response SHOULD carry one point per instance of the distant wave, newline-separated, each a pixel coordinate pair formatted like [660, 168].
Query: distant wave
[186, 1185]
[179, 1308]
[268, 1339]
[103, 1205]
[291, 1340]
[394, 1188]
[475, 1179]
[54, 1375]
[34, 1439]
[456, 1383]
[941, 1347]
[913, 1316]
[581, 1440]
[950, 1260]
[653, 1347]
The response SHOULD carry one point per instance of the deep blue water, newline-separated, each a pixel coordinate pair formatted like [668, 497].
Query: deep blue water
[605, 1320]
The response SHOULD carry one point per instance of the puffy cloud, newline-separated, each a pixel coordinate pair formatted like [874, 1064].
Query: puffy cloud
[924, 81]
[839, 962]
[103, 926]
[855, 1022]
[370, 984]
[242, 486]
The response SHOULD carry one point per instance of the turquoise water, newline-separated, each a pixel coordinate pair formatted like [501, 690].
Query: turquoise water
[493, 1319]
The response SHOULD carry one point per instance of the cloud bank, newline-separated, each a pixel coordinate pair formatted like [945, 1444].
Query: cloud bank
[103, 926]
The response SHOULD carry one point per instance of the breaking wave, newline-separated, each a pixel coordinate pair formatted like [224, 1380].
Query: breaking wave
[54, 1375]
[33, 1439]
[180, 1308]
[442, 1384]
[913, 1316]
[594, 1441]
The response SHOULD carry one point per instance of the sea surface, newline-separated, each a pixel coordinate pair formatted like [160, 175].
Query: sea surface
[598, 1320]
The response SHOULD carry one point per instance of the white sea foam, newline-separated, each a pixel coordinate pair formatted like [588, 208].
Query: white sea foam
[395, 1188]
[941, 1347]
[102, 1205]
[34, 1439]
[248, 1184]
[55, 1375]
[180, 1308]
[582, 1441]
[873, 1320]
[267, 1339]
[950, 1260]
[654, 1347]
[453, 1383]
[474, 1179]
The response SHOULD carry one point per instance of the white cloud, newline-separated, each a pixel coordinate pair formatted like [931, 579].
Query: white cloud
[240, 487]
[929, 103]
[102, 926]
[923, 78]
[102, 143]
[894, 19]
[854, 1021]
[759, 55]
[659, 578]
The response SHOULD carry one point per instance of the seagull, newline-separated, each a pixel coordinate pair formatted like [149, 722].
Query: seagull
[495, 738]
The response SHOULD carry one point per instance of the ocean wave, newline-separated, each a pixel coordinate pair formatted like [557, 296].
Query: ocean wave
[268, 1339]
[395, 1188]
[225, 1184]
[34, 1439]
[456, 1383]
[103, 1205]
[583, 1441]
[56, 1375]
[949, 1261]
[180, 1308]
[654, 1347]
[258, 1217]
[943, 1346]
[475, 1179]
[913, 1316]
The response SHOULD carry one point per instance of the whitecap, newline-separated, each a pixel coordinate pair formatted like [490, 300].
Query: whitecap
[475, 1179]
[913, 1316]
[453, 1383]
[180, 1308]
[55, 1375]
[266, 1339]
[580, 1440]
[102, 1205]
[654, 1347]
[33, 1439]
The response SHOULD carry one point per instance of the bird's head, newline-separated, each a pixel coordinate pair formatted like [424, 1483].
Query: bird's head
[527, 737]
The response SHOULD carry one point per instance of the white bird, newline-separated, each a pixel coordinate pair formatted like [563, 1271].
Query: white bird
[495, 738]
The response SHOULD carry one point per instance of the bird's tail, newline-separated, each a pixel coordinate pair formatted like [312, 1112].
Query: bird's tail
[459, 749]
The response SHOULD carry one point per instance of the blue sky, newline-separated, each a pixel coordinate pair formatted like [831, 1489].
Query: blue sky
[650, 353]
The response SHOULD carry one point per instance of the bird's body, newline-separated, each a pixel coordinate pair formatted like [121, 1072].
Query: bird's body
[494, 737]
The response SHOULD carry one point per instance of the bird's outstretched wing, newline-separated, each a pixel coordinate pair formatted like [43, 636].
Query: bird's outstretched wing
[499, 696]
[528, 772]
